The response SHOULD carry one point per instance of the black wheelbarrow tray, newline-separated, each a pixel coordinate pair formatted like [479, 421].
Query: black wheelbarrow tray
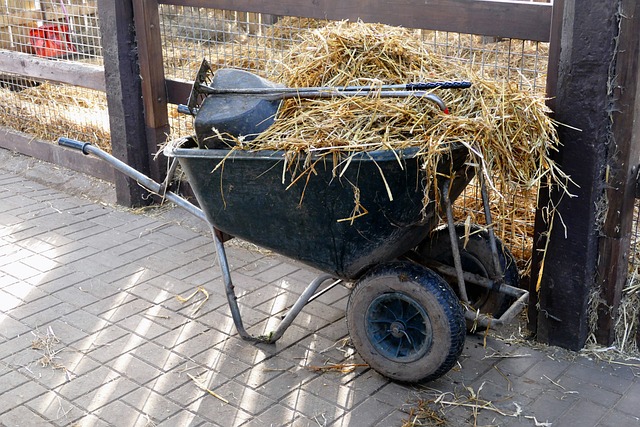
[358, 218]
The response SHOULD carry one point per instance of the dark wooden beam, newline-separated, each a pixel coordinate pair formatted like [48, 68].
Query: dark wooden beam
[622, 170]
[124, 96]
[33, 67]
[25, 144]
[178, 91]
[501, 18]
[582, 76]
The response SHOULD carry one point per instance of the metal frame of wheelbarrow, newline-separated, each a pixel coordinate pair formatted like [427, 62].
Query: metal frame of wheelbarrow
[310, 293]
[494, 284]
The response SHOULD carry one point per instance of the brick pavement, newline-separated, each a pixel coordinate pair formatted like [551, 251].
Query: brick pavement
[91, 334]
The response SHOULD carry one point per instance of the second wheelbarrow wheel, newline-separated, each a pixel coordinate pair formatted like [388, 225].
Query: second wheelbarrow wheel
[406, 322]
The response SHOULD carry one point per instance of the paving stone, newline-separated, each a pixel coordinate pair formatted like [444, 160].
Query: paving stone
[110, 390]
[119, 413]
[34, 307]
[90, 420]
[84, 321]
[134, 369]
[216, 411]
[10, 328]
[583, 413]
[368, 413]
[57, 410]
[312, 406]
[19, 270]
[157, 407]
[87, 382]
[8, 302]
[600, 375]
[13, 398]
[21, 415]
[245, 397]
[144, 325]
[47, 316]
[186, 419]
[108, 343]
[276, 415]
[10, 380]
[618, 419]
[630, 401]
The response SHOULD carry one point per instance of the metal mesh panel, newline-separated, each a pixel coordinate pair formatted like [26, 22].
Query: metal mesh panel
[257, 43]
[58, 31]
[63, 30]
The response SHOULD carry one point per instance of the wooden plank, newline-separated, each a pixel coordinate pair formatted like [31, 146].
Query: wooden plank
[73, 73]
[154, 92]
[178, 91]
[52, 153]
[124, 97]
[622, 170]
[500, 18]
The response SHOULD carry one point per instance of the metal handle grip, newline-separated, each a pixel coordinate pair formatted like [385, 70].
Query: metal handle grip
[72, 143]
[463, 84]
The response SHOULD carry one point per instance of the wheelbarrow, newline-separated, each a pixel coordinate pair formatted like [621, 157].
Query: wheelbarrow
[403, 316]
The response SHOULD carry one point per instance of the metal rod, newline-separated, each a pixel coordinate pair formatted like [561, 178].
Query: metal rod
[455, 250]
[491, 322]
[492, 238]
[476, 279]
[232, 300]
[420, 86]
[297, 307]
[318, 294]
[274, 96]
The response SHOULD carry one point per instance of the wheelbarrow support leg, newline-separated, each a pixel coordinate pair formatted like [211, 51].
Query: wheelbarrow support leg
[273, 336]
[455, 251]
[228, 285]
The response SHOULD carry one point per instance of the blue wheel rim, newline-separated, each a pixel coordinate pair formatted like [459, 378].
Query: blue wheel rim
[398, 327]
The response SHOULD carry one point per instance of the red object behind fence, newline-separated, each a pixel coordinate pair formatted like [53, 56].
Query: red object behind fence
[51, 40]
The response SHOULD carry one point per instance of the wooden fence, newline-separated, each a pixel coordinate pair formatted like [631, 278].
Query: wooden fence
[601, 163]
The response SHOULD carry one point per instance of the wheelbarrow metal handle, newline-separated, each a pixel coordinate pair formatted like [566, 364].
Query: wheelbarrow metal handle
[139, 177]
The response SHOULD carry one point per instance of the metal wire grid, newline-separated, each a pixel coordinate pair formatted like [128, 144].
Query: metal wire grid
[47, 110]
[520, 61]
[255, 43]
[69, 26]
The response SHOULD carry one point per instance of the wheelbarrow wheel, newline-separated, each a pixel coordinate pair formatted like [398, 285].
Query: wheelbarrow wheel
[405, 321]
[476, 257]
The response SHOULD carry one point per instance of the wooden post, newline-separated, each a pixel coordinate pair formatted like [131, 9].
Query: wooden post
[124, 96]
[587, 84]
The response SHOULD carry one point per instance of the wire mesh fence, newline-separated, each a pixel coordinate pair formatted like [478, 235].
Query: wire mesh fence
[258, 43]
[54, 30]
[67, 30]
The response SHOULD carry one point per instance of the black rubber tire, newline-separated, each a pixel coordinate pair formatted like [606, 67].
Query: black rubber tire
[426, 336]
[476, 258]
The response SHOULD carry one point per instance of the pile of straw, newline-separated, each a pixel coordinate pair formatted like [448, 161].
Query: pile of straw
[507, 129]
[48, 111]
